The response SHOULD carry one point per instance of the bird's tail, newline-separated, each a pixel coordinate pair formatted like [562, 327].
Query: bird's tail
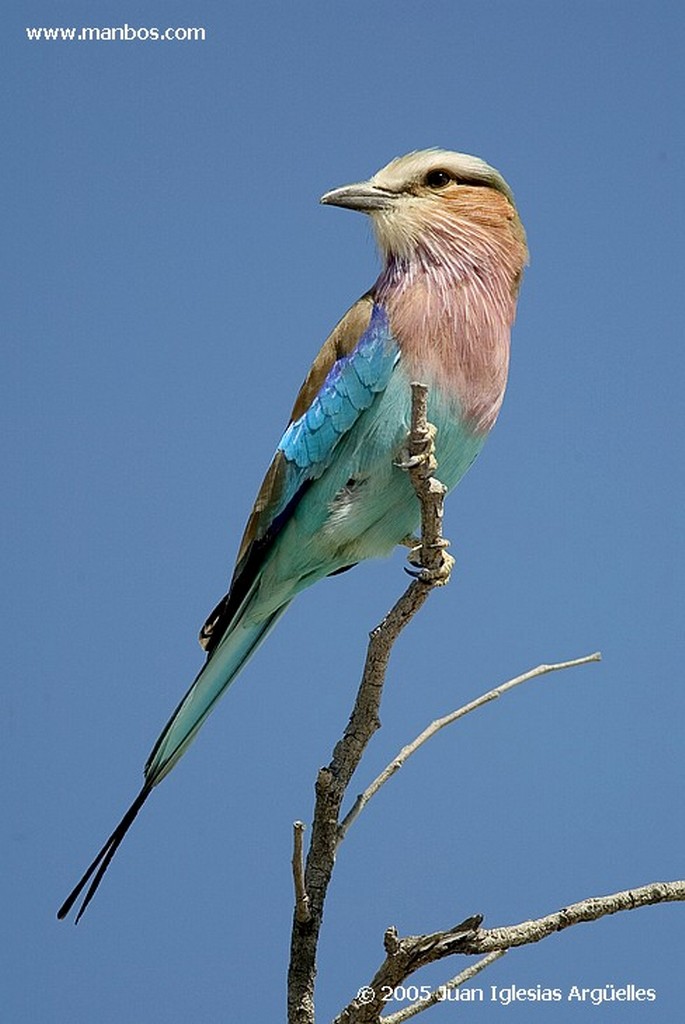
[221, 668]
[102, 861]
[240, 641]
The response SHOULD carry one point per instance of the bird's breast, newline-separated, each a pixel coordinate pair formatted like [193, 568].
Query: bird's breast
[451, 308]
[456, 344]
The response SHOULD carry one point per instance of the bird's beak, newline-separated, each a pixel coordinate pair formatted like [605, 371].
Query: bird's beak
[363, 196]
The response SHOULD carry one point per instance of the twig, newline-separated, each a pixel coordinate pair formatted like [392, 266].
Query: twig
[406, 955]
[333, 780]
[590, 909]
[438, 995]
[302, 913]
[440, 723]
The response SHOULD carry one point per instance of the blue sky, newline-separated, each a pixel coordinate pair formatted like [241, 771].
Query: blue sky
[170, 277]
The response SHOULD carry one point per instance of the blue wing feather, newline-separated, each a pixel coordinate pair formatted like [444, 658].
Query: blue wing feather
[349, 388]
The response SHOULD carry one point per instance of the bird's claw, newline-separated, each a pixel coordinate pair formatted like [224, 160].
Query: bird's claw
[417, 547]
[426, 458]
[436, 576]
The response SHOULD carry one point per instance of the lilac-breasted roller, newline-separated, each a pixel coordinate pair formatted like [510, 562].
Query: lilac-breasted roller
[441, 312]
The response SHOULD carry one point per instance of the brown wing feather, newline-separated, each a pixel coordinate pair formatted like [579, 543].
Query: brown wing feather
[340, 342]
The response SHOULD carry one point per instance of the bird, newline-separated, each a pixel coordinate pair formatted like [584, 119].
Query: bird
[453, 251]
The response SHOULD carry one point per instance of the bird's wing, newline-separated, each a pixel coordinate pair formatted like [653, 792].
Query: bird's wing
[354, 364]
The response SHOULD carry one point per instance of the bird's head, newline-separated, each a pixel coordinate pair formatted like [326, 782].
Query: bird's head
[431, 197]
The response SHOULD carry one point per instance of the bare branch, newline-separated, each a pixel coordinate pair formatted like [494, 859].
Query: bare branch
[440, 723]
[439, 994]
[403, 958]
[590, 909]
[406, 955]
[302, 913]
[333, 780]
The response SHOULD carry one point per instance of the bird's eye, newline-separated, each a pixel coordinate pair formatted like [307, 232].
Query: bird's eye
[437, 179]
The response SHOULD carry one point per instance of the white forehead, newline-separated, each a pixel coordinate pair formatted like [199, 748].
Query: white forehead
[412, 168]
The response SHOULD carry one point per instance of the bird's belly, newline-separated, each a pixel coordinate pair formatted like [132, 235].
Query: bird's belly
[377, 506]
[363, 504]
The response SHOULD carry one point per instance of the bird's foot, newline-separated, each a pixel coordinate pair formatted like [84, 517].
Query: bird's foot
[435, 575]
[433, 566]
[424, 459]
